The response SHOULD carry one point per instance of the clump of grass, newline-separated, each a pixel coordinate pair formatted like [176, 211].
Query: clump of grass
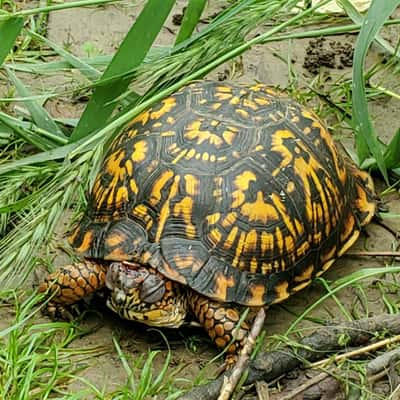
[146, 384]
[35, 361]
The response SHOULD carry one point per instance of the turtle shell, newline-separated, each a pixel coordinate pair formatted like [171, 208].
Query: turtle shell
[237, 192]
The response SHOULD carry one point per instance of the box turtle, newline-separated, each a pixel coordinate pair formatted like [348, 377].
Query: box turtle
[218, 197]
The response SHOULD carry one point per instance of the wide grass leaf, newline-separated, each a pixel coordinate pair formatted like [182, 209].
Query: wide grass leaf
[392, 153]
[130, 54]
[9, 30]
[87, 70]
[190, 19]
[366, 139]
[358, 18]
[38, 113]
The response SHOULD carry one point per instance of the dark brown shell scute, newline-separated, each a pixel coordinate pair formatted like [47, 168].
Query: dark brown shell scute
[239, 192]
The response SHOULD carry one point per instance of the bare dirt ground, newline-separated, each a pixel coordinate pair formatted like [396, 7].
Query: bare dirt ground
[101, 30]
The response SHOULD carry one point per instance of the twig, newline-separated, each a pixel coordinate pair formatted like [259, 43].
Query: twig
[373, 253]
[268, 366]
[230, 382]
[374, 378]
[262, 390]
[382, 361]
[362, 350]
[310, 382]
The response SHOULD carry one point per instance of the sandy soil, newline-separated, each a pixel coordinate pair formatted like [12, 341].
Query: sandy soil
[103, 28]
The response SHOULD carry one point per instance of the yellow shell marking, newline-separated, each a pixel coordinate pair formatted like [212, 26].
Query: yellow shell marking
[238, 198]
[302, 249]
[231, 238]
[112, 167]
[86, 242]
[349, 243]
[140, 149]
[235, 100]
[281, 292]
[348, 228]
[253, 265]
[215, 236]
[113, 163]
[222, 283]
[142, 118]
[167, 105]
[290, 187]
[242, 113]
[261, 101]
[224, 89]
[239, 249]
[164, 213]
[267, 242]
[259, 210]
[194, 132]
[133, 186]
[155, 195]
[190, 154]
[122, 195]
[329, 255]
[115, 239]
[250, 104]
[282, 211]
[212, 219]
[278, 147]
[192, 185]
[305, 275]
[229, 219]
[179, 156]
[250, 243]
[183, 262]
[140, 211]
[223, 96]
[229, 135]
[215, 106]
[243, 180]
[279, 239]
[257, 295]
[185, 209]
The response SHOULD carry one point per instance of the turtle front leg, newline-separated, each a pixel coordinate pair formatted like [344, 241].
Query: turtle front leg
[71, 283]
[221, 323]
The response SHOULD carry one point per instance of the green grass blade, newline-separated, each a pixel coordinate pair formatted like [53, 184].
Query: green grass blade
[9, 30]
[358, 18]
[341, 284]
[45, 156]
[62, 6]
[366, 139]
[130, 54]
[190, 19]
[39, 115]
[87, 70]
[392, 153]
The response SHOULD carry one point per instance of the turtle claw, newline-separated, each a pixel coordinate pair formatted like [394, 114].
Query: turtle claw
[57, 311]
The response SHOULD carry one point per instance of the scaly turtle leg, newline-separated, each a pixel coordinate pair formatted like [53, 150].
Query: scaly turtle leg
[71, 283]
[220, 321]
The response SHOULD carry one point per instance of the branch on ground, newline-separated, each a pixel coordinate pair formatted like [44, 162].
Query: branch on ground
[270, 365]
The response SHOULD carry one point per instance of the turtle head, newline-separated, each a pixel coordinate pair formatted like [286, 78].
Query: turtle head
[142, 294]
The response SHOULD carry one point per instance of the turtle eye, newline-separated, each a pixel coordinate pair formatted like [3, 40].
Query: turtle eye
[152, 289]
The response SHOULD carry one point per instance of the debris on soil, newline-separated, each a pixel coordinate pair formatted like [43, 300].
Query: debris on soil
[269, 365]
[327, 53]
[310, 385]
[177, 18]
